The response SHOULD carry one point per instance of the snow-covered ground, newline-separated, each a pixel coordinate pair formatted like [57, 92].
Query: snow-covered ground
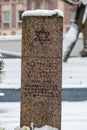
[12, 74]
[74, 114]
[9, 115]
[75, 73]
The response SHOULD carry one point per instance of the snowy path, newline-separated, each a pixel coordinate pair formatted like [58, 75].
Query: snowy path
[75, 73]
[9, 115]
[12, 77]
[74, 115]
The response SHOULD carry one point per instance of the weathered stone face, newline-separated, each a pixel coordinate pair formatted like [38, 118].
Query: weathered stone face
[41, 71]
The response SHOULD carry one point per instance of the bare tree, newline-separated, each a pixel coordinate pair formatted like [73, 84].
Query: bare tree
[77, 26]
[71, 2]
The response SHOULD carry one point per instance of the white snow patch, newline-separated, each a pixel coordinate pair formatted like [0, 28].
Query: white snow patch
[10, 37]
[74, 115]
[43, 13]
[69, 38]
[85, 15]
[2, 94]
[10, 53]
[46, 127]
[12, 74]
[17, 128]
[75, 73]
[9, 115]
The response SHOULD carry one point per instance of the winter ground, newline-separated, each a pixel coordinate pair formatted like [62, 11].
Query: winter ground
[74, 114]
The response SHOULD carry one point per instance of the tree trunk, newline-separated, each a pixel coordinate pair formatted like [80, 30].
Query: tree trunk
[78, 22]
[70, 2]
[84, 31]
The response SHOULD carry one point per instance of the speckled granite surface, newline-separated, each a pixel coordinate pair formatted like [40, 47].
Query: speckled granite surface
[41, 71]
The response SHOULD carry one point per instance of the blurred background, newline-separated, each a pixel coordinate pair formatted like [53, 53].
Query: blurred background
[11, 12]
[11, 22]
[74, 71]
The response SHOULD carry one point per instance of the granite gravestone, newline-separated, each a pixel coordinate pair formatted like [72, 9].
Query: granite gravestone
[41, 68]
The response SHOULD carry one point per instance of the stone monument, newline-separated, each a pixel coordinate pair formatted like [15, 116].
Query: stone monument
[41, 68]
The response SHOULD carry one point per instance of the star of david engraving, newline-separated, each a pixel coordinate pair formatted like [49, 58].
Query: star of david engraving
[42, 36]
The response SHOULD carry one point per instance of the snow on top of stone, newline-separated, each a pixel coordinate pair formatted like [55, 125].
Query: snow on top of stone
[43, 13]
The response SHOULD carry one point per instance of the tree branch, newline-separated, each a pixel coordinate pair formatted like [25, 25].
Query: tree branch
[77, 29]
[70, 2]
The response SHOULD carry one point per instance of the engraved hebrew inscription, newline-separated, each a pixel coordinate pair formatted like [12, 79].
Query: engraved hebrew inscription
[42, 77]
